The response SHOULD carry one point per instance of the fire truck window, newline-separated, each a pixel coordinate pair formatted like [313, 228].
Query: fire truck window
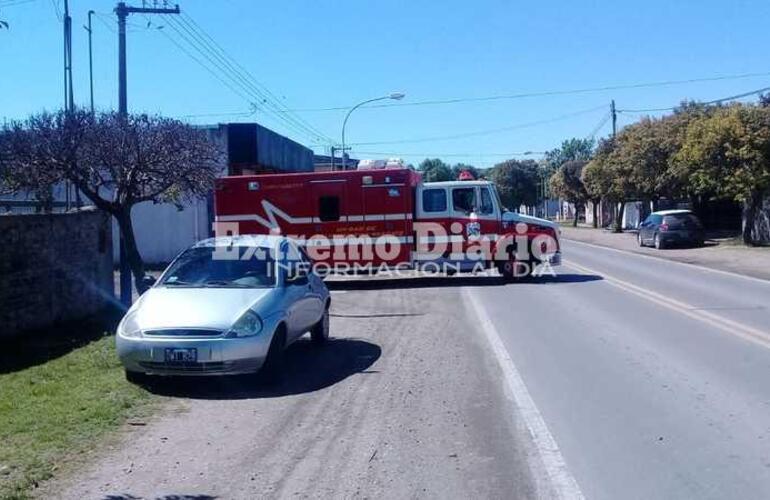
[434, 200]
[462, 199]
[487, 208]
[329, 208]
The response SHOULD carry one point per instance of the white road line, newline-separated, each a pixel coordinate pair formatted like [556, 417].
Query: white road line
[696, 266]
[561, 479]
[732, 327]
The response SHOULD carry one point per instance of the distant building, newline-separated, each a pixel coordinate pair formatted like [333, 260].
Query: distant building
[253, 149]
[323, 163]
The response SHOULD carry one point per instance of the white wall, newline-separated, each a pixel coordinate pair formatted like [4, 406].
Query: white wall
[162, 231]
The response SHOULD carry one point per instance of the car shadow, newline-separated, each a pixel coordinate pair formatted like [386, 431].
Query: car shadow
[454, 281]
[308, 368]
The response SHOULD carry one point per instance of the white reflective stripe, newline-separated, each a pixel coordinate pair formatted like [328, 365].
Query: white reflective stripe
[354, 240]
[443, 239]
[309, 220]
[317, 220]
[257, 218]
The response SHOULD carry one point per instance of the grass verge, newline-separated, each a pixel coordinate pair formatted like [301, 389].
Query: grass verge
[54, 411]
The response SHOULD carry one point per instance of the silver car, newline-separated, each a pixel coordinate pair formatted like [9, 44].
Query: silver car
[225, 306]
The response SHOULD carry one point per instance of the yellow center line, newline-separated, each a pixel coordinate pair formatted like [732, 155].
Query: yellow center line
[746, 332]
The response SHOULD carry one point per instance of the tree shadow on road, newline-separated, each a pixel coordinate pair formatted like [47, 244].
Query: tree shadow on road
[454, 281]
[308, 368]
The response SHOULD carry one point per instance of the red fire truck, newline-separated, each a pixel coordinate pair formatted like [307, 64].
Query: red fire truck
[375, 218]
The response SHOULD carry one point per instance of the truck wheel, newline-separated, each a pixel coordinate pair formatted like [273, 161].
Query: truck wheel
[320, 332]
[513, 270]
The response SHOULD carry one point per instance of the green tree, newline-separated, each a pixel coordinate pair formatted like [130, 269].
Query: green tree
[435, 170]
[607, 177]
[567, 183]
[517, 182]
[570, 149]
[727, 153]
[115, 161]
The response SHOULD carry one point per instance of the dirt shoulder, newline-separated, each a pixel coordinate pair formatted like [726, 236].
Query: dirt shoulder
[716, 254]
[404, 402]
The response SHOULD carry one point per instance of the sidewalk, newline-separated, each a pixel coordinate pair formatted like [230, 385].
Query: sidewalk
[724, 255]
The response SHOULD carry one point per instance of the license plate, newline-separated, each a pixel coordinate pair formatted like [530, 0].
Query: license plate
[186, 355]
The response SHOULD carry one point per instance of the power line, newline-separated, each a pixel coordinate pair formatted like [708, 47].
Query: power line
[15, 3]
[220, 73]
[272, 98]
[228, 68]
[228, 113]
[483, 132]
[451, 155]
[715, 101]
[599, 125]
[545, 93]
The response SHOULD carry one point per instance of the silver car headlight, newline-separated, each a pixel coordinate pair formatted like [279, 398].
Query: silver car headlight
[247, 325]
[129, 326]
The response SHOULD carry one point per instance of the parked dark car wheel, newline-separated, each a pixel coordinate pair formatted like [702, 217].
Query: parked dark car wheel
[659, 244]
[639, 239]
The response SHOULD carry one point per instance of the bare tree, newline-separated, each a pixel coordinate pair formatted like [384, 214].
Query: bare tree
[115, 161]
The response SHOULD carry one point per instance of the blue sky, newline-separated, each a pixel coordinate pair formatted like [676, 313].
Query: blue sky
[317, 54]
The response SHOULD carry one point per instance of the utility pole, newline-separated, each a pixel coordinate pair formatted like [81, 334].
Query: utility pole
[122, 10]
[90, 59]
[68, 93]
[332, 151]
[614, 118]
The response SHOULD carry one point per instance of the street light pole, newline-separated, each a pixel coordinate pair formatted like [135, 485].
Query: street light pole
[394, 95]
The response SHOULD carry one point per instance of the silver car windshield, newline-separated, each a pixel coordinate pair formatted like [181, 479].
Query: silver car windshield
[236, 267]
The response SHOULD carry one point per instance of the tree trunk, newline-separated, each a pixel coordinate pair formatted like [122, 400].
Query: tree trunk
[132, 252]
[595, 207]
[618, 226]
[750, 209]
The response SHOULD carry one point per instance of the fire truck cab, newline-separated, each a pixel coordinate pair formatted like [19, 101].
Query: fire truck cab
[388, 217]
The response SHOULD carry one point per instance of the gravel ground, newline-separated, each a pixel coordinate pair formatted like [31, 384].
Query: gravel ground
[404, 402]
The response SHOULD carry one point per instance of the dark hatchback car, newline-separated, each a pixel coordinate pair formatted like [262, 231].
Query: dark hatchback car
[671, 227]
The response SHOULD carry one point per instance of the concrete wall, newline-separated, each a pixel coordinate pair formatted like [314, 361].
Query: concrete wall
[53, 268]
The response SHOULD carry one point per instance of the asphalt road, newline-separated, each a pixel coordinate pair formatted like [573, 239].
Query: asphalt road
[624, 376]
[652, 376]
[405, 402]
